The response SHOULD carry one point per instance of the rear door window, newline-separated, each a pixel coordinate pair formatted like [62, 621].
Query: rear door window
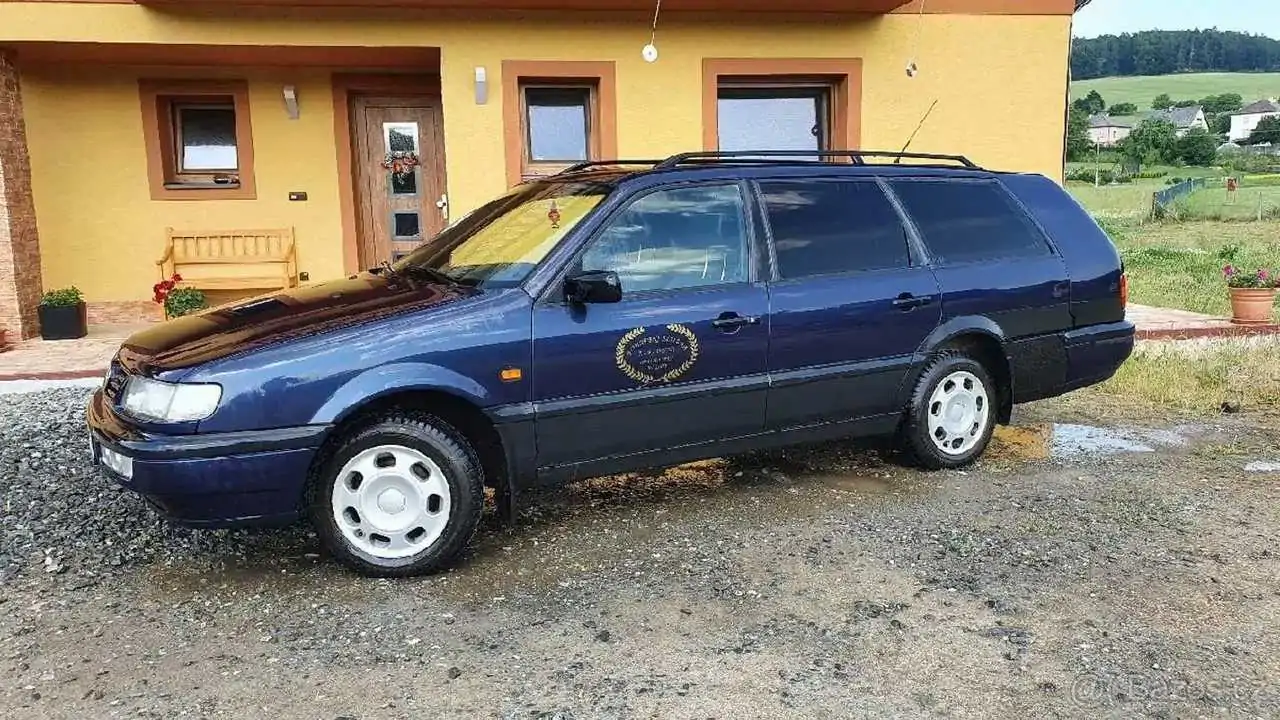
[825, 227]
[969, 221]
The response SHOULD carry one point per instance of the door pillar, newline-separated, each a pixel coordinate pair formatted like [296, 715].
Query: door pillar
[20, 281]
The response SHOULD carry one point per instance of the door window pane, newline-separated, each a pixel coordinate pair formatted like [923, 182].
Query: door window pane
[405, 224]
[404, 184]
[556, 123]
[825, 227]
[400, 137]
[969, 221]
[671, 239]
[772, 119]
[207, 135]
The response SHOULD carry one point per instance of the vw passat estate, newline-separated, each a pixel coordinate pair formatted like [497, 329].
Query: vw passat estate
[616, 316]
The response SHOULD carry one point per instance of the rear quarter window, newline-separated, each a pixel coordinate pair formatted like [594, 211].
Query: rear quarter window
[827, 227]
[969, 221]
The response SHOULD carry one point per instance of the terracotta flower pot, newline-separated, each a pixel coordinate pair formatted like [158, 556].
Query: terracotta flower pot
[1252, 306]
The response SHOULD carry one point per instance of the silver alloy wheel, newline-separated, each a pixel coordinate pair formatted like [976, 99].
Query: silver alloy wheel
[958, 412]
[391, 502]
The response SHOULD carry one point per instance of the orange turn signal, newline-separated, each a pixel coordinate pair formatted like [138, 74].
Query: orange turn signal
[1124, 290]
[510, 374]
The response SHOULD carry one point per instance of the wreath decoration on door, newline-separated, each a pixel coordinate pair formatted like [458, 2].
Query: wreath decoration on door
[401, 162]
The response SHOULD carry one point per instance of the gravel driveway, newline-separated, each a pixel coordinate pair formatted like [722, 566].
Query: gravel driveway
[1100, 580]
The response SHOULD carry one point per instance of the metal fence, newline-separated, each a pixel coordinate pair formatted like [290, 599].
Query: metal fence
[1163, 199]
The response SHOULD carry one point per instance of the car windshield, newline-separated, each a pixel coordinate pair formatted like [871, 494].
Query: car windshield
[500, 243]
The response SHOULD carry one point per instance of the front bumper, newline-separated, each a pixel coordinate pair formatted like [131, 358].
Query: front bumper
[210, 480]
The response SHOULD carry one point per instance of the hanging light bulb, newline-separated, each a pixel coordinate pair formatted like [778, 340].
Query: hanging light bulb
[650, 53]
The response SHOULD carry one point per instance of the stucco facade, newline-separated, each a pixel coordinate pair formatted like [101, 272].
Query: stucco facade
[99, 224]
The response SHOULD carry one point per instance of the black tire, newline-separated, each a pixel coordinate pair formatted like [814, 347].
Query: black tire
[916, 440]
[430, 436]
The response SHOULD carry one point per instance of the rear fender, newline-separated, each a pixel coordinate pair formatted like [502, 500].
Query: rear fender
[942, 335]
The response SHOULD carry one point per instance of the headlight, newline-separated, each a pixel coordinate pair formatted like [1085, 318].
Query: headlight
[168, 402]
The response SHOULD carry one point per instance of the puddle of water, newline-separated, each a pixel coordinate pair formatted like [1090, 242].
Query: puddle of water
[1074, 441]
[1262, 466]
[1070, 441]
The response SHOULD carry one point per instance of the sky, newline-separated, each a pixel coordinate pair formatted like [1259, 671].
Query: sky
[1104, 17]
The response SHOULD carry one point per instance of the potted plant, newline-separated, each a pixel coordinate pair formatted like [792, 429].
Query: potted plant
[1252, 295]
[62, 315]
[178, 301]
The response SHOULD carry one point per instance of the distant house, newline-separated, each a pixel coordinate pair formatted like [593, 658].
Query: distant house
[1107, 131]
[1244, 121]
[1184, 119]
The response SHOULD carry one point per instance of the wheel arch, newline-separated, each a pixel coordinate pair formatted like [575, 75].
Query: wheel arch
[977, 336]
[453, 398]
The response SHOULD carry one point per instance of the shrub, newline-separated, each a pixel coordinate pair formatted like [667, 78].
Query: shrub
[184, 301]
[178, 301]
[64, 297]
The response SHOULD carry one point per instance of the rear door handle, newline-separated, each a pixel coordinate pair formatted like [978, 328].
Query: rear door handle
[907, 301]
[731, 320]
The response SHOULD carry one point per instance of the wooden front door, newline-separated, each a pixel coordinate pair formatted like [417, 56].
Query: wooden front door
[397, 207]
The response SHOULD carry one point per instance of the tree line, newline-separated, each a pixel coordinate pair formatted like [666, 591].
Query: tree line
[1162, 52]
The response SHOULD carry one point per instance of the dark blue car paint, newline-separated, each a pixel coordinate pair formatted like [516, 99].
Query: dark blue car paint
[295, 365]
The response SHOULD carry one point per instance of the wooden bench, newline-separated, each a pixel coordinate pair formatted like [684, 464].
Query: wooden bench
[231, 259]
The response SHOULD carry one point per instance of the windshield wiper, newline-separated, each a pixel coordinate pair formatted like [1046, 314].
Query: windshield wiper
[434, 274]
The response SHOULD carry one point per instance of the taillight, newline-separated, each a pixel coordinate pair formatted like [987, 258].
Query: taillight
[1124, 290]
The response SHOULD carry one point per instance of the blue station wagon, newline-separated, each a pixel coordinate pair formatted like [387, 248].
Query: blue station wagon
[617, 316]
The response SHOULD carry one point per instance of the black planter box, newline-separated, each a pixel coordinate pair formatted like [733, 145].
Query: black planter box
[63, 323]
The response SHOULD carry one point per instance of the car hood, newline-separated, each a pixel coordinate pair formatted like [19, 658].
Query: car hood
[277, 317]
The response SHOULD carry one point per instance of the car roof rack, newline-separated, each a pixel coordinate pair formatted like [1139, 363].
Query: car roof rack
[857, 157]
[605, 163]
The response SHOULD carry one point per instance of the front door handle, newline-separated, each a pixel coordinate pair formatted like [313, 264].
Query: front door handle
[732, 320]
[907, 301]
[1062, 289]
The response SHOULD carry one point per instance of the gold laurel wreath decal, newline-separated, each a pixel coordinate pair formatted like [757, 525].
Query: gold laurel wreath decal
[644, 378]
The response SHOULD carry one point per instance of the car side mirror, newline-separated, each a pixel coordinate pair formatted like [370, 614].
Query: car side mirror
[596, 286]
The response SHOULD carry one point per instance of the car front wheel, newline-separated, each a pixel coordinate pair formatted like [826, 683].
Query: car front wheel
[952, 412]
[401, 496]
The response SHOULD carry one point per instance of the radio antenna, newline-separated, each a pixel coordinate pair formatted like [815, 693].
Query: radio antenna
[927, 113]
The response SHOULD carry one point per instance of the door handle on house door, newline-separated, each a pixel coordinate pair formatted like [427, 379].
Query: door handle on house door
[443, 204]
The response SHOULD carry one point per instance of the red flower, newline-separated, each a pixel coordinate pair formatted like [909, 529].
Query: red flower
[177, 277]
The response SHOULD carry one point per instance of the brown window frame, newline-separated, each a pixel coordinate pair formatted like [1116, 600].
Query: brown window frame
[162, 100]
[841, 78]
[598, 78]
[530, 168]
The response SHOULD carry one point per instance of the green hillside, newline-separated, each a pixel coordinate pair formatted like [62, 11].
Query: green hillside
[1141, 90]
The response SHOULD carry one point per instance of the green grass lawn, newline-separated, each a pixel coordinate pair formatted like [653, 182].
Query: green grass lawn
[1192, 86]
[1128, 200]
[1179, 264]
[1215, 204]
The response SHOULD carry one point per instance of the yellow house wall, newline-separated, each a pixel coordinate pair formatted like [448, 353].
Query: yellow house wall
[99, 228]
[999, 82]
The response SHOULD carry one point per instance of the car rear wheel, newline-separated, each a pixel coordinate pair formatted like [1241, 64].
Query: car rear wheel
[952, 412]
[398, 497]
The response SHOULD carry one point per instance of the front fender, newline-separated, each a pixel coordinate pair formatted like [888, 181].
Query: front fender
[396, 378]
